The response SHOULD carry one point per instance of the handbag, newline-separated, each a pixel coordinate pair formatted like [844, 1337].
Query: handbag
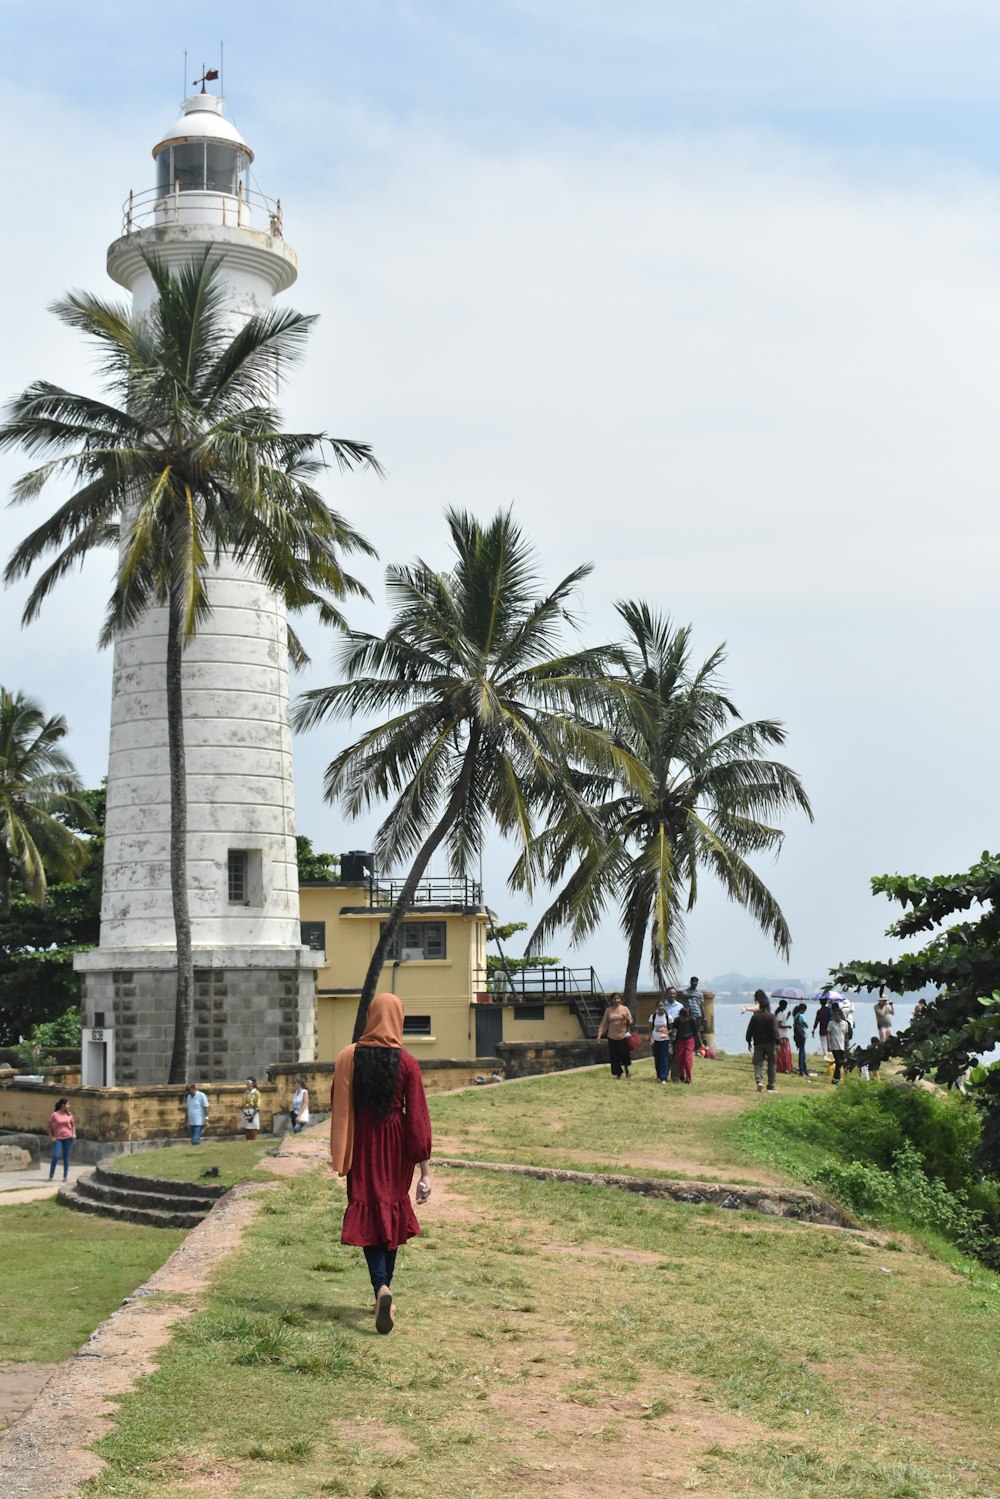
[634, 1040]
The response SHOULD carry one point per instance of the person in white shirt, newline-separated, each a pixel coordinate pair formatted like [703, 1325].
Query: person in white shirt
[197, 1112]
[660, 1035]
[299, 1113]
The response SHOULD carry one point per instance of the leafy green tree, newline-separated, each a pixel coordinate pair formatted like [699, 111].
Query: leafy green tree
[478, 712]
[184, 462]
[314, 866]
[962, 960]
[502, 965]
[37, 784]
[709, 801]
[37, 943]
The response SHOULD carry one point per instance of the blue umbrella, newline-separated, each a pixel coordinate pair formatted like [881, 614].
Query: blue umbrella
[832, 996]
[789, 992]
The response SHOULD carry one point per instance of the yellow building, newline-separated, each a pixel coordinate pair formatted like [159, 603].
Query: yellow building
[438, 968]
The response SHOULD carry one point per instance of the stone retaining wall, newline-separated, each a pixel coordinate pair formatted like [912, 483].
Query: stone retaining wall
[774, 1202]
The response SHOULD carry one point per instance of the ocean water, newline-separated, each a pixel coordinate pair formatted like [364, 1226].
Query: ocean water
[731, 1026]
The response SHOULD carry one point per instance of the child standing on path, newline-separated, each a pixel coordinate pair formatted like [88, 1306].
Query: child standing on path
[62, 1133]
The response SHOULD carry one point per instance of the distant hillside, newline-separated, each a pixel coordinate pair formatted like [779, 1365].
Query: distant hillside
[746, 983]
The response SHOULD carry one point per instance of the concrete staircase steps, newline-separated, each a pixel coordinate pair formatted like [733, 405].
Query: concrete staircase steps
[155, 1202]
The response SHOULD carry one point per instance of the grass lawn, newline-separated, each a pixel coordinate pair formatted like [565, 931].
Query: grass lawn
[64, 1272]
[236, 1160]
[554, 1340]
[562, 1340]
[587, 1121]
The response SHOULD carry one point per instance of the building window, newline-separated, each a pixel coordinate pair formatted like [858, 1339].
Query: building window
[529, 1012]
[314, 935]
[416, 1025]
[238, 876]
[416, 940]
[244, 877]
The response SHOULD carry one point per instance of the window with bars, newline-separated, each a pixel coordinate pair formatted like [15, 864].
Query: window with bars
[238, 883]
[416, 1025]
[416, 940]
[245, 877]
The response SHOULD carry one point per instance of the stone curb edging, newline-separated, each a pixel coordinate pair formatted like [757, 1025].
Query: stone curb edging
[775, 1202]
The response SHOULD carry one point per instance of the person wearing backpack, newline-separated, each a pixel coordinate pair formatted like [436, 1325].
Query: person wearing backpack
[659, 1031]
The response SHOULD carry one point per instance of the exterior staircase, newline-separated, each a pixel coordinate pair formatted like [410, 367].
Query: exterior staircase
[141, 1199]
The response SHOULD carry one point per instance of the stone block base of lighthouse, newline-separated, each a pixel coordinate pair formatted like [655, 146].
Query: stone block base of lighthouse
[251, 1008]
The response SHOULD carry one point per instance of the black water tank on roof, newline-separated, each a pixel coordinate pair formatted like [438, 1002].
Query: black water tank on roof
[356, 866]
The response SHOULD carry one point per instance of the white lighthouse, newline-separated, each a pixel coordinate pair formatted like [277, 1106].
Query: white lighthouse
[254, 995]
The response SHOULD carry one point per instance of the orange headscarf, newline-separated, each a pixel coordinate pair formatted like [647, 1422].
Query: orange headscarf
[383, 1027]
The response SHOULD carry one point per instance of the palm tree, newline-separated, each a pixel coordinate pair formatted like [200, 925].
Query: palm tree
[710, 802]
[37, 783]
[184, 462]
[484, 713]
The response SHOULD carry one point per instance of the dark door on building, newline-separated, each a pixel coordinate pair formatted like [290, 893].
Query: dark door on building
[489, 1029]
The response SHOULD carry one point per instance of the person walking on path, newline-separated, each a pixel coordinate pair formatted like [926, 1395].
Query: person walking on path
[62, 1133]
[616, 1024]
[800, 1035]
[763, 1036]
[299, 1112]
[660, 1036]
[822, 1022]
[250, 1118]
[379, 1131]
[686, 1035]
[197, 1112]
[884, 1011]
[837, 1038]
[784, 1018]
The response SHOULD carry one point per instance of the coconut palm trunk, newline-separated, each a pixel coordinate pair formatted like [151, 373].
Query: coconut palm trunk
[180, 1053]
[635, 945]
[404, 900]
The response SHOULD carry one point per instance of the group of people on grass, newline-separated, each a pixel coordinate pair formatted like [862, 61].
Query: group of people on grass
[777, 1038]
[675, 1030]
[770, 1033]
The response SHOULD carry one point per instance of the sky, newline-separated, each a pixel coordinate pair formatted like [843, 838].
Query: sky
[707, 292]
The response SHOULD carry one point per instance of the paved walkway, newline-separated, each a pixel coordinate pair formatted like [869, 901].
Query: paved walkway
[33, 1184]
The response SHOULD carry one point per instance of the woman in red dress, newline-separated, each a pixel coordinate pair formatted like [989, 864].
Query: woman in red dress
[380, 1130]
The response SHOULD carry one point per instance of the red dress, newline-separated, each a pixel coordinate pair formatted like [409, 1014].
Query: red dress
[385, 1152]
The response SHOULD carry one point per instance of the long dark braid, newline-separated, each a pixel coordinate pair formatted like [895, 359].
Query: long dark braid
[376, 1069]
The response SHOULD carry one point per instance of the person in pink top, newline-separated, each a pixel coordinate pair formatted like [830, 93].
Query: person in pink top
[62, 1132]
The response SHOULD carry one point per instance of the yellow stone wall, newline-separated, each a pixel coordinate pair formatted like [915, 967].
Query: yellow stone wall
[107, 1114]
[560, 1024]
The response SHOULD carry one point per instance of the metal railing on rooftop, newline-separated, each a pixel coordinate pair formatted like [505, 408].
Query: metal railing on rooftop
[244, 209]
[429, 892]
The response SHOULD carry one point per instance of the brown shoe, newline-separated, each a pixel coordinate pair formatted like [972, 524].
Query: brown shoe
[383, 1311]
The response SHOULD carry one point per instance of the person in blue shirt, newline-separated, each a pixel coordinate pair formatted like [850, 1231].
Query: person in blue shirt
[197, 1112]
